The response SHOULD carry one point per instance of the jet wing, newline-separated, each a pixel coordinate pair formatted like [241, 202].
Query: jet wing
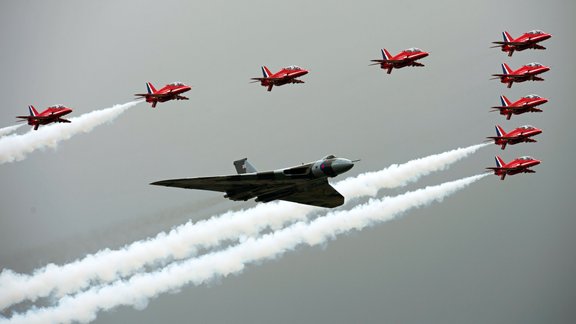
[155, 95]
[507, 169]
[513, 43]
[507, 137]
[510, 76]
[37, 117]
[323, 195]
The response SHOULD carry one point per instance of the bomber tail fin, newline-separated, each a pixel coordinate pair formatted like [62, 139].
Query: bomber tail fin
[150, 88]
[243, 166]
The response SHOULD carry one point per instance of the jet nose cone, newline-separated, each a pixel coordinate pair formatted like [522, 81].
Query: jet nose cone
[342, 165]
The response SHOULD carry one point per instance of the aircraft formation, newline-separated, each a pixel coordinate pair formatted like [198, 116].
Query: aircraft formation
[307, 183]
[527, 72]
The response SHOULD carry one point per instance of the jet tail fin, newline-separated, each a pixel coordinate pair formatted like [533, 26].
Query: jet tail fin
[506, 36]
[506, 69]
[33, 111]
[504, 101]
[386, 55]
[499, 161]
[243, 166]
[150, 88]
[500, 131]
[266, 72]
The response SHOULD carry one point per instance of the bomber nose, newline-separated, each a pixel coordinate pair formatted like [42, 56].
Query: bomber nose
[342, 165]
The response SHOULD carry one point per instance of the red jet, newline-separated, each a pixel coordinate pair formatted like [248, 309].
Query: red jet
[287, 75]
[525, 104]
[521, 134]
[524, 73]
[52, 114]
[170, 91]
[528, 40]
[519, 165]
[407, 57]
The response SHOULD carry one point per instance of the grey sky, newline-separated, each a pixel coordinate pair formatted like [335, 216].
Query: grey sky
[498, 252]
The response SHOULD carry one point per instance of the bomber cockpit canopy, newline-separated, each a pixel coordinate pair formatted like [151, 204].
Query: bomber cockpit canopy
[535, 32]
[293, 68]
[532, 96]
[534, 64]
[413, 50]
[329, 157]
[176, 84]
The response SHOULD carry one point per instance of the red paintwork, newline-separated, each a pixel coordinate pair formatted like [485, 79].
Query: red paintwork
[52, 114]
[527, 40]
[521, 134]
[519, 165]
[524, 73]
[523, 105]
[170, 91]
[289, 74]
[407, 57]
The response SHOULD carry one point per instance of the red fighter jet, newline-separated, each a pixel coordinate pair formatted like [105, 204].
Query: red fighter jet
[523, 105]
[528, 40]
[170, 91]
[52, 114]
[519, 165]
[525, 73]
[521, 134]
[407, 57]
[286, 75]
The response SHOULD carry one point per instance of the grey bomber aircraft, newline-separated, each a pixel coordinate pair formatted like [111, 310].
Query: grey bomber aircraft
[304, 184]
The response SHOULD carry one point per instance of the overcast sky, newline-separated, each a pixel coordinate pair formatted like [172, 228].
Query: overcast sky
[497, 252]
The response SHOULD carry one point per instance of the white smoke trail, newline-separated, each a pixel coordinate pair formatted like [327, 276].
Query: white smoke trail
[138, 289]
[396, 175]
[9, 129]
[184, 241]
[16, 147]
